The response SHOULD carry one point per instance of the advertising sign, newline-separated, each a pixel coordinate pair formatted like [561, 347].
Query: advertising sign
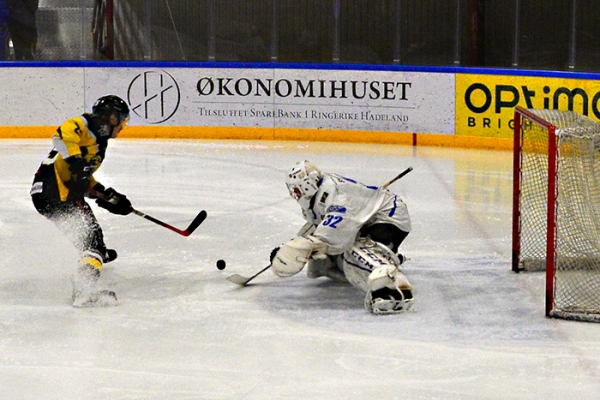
[485, 103]
[386, 101]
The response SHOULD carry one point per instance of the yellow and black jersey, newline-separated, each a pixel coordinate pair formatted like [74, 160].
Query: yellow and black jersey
[83, 136]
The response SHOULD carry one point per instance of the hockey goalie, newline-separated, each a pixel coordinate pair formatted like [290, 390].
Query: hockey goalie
[352, 234]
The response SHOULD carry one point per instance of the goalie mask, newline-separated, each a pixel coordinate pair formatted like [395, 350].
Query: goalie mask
[303, 181]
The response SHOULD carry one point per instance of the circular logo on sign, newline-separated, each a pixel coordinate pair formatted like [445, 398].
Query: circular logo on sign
[154, 96]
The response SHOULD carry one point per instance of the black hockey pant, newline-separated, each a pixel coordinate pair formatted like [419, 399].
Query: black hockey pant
[77, 221]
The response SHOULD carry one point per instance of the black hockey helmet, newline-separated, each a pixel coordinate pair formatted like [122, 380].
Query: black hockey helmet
[105, 106]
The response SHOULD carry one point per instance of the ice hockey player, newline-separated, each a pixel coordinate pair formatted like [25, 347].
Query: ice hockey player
[65, 178]
[351, 235]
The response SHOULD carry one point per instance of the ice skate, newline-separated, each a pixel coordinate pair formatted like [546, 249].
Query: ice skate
[389, 291]
[85, 292]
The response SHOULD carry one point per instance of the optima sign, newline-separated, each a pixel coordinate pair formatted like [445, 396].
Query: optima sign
[485, 103]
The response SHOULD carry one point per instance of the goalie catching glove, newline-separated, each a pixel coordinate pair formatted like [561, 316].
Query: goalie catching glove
[113, 201]
[291, 257]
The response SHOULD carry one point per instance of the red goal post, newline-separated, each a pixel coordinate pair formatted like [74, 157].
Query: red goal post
[556, 208]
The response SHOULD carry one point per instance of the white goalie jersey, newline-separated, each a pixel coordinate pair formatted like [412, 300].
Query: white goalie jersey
[342, 206]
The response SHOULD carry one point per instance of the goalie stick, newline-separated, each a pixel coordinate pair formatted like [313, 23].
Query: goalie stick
[400, 175]
[186, 232]
[243, 281]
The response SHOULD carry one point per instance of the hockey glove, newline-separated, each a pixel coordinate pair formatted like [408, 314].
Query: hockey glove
[114, 202]
[81, 171]
[292, 256]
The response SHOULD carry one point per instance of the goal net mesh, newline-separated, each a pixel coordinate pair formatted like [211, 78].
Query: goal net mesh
[576, 248]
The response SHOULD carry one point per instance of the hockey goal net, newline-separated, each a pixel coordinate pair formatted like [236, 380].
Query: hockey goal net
[556, 208]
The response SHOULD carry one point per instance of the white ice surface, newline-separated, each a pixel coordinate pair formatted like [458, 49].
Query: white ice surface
[182, 331]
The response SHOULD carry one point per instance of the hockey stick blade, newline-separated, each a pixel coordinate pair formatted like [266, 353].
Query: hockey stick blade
[187, 232]
[195, 223]
[242, 280]
[238, 279]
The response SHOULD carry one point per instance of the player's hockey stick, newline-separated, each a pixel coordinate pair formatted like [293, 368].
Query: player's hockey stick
[242, 280]
[186, 232]
[400, 175]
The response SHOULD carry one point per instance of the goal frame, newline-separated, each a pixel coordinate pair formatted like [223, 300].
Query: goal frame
[520, 114]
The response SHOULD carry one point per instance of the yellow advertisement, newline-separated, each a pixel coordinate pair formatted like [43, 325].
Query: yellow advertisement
[485, 103]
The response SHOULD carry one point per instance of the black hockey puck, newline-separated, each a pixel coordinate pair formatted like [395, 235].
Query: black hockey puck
[221, 264]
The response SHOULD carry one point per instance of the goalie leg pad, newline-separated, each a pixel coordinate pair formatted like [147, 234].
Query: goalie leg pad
[389, 291]
[374, 269]
[325, 267]
[363, 258]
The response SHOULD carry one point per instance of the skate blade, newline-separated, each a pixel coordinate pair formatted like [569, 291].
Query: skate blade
[104, 298]
[379, 306]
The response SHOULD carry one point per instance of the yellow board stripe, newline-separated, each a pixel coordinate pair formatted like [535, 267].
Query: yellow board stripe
[295, 134]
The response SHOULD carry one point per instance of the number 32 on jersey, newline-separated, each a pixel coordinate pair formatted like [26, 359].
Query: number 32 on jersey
[332, 220]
